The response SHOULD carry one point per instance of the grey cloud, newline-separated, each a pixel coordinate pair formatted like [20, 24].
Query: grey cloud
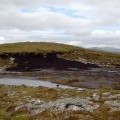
[43, 25]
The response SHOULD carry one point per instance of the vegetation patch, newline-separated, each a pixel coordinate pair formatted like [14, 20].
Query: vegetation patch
[68, 52]
[13, 96]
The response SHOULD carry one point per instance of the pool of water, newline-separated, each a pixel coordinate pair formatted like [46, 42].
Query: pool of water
[32, 83]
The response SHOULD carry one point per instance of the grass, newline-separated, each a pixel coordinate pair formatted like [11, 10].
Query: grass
[103, 114]
[10, 96]
[69, 115]
[4, 62]
[98, 57]
[35, 47]
[3, 115]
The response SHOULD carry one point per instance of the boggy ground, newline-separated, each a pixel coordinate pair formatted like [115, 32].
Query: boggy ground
[28, 103]
[53, 67]
[82, 79]
[32, 62]
[94, 78]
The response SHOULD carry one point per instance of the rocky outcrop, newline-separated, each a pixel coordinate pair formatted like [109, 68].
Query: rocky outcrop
[112, 101]
[35, 106]
[114, 105]
[73, 104]
[66, 104]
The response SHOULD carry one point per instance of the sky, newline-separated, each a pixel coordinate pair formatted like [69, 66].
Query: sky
[86, 23]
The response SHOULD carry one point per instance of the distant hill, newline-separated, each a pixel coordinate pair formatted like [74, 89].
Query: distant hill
[108, 49]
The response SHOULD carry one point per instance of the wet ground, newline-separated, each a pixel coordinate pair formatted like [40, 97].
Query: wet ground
[93, 78]
[31, 82]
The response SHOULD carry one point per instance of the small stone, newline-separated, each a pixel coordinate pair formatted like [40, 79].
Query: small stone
[74, 108]
[106, 94]
[96, 96]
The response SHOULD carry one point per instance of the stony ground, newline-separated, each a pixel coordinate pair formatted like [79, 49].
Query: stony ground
[28, 103]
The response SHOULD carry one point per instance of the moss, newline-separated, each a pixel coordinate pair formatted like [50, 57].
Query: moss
[101, 113]
[21, 117]
[4, 62]
[115, 115]
[3, 115]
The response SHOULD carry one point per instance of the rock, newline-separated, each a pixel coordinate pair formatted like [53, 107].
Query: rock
[113, 104]
[80, 89]
[36, 101]
[9, 93]
[74, 108]
[19, 107]
[32, 106]
[66, 104]
[106, 94]
[74, 105]
[12, 59]
[88, 98]
[116, 96]
[95, 97]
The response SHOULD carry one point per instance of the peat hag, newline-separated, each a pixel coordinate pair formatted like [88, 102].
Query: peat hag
[31, 62]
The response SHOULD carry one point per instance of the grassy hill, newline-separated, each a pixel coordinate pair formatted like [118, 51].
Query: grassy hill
[36, 47]
[69, 52]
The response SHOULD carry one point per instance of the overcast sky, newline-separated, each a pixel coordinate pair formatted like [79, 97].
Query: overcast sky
[87, 23]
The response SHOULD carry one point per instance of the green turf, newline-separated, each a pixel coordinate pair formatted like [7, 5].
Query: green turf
[35, 47]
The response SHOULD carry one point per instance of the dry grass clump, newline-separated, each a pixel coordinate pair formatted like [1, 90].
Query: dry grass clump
[4, 62]
[68, 115]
